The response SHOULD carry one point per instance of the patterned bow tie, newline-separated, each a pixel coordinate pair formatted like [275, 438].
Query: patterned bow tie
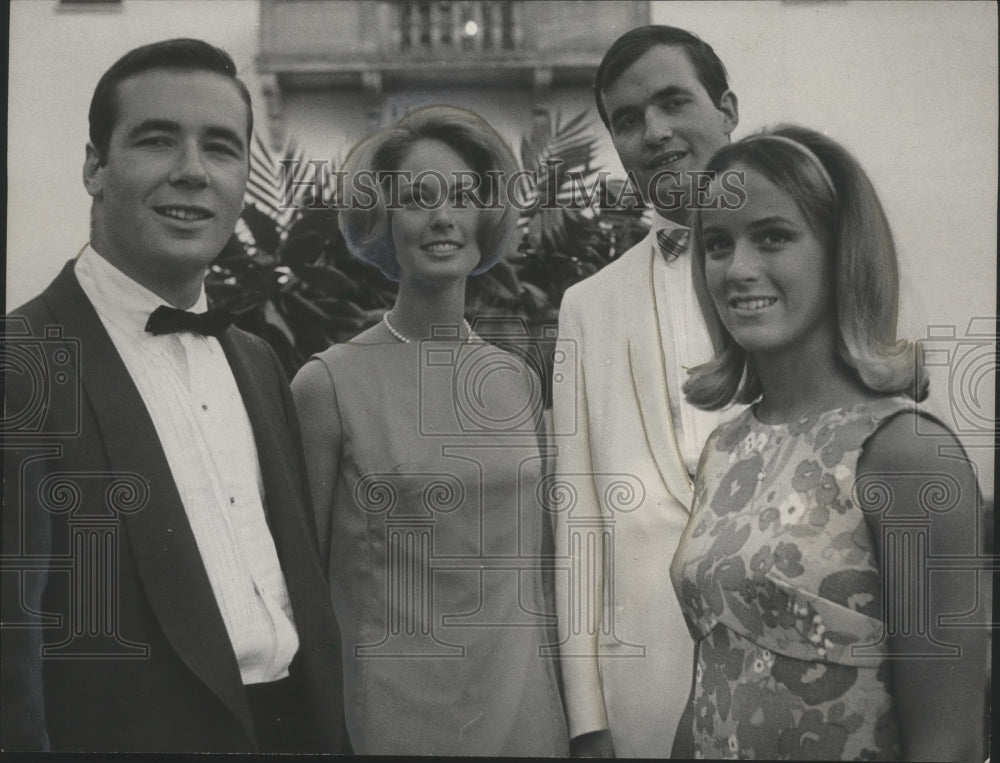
[673, 243]
[167, 320]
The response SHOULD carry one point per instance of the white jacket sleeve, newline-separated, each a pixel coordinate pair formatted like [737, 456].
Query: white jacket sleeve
[579, 594]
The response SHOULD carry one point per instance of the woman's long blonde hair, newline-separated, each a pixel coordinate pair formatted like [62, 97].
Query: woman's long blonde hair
[849, 216]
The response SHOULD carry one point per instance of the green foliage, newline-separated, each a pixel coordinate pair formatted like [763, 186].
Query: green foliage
[289, 277]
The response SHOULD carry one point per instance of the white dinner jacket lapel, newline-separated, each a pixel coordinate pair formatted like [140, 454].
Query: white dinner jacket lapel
[648, 366]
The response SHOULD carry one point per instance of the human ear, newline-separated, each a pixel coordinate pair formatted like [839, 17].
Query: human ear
[93, 172]
[729, 106]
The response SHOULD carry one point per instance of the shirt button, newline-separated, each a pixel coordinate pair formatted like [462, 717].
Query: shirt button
[232, 499]
[204, 406]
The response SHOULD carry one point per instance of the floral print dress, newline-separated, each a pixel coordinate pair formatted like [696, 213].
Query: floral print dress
[777, 576]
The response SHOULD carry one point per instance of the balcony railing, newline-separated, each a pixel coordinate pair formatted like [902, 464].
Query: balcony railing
[463, 26]
[336, 43]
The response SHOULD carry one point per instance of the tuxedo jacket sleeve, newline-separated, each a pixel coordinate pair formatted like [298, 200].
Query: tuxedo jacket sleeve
[112, 637]
[622, 636]
[577, 631]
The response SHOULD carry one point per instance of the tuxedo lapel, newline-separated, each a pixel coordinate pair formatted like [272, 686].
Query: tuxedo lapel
[648, 367]
[166, 553]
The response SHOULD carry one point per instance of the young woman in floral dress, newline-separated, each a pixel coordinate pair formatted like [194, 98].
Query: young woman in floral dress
[803, 570]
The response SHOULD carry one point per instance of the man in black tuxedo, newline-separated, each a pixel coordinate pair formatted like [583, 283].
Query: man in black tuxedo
[162, 589]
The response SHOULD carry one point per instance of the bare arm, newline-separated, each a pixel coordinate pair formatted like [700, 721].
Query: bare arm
[319, 418]
[939, 701]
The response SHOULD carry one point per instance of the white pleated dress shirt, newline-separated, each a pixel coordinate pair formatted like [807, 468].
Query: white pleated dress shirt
[689, 342]
[191, 395]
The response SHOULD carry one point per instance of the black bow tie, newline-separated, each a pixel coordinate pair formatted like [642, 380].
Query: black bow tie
[167, 320]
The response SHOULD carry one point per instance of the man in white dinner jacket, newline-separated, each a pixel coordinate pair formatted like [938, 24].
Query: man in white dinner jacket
[628, 443]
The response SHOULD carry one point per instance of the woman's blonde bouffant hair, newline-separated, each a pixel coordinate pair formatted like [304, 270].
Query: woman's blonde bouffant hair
[364, 218]
[866, 274]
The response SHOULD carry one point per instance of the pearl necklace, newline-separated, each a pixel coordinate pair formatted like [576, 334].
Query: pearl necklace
[406, 340]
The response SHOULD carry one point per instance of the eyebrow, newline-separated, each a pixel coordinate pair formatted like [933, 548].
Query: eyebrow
[771, 221]
[167, 125]
[755, 225]
[670, 91]
[153, 125]
[667, 92]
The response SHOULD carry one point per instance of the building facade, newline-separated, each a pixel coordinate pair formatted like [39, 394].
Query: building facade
[333, 71]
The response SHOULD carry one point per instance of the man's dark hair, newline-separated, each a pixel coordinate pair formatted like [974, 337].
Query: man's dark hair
[181, 54]
[632, 45]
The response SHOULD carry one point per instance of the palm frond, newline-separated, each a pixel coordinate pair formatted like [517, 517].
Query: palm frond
[274, 179]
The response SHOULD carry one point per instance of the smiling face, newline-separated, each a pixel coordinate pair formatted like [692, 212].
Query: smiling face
[663, 122]
[434, 240]
[769, 274]
[169, 191]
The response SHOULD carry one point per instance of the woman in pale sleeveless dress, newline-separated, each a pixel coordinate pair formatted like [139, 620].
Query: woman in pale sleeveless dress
[424, 460]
